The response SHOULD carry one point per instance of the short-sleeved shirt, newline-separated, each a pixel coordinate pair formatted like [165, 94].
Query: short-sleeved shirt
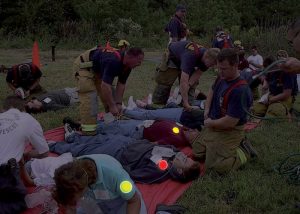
[110, 176]
[176, 28]
[13, 76]
[257, 59]
[279, 81]
[16, 130]
[109, 65]
[186, 59]
[239, 98]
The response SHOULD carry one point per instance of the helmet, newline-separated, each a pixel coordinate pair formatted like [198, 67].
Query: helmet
[123, 42]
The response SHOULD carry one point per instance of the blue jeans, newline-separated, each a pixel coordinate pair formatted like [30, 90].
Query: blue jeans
[173, 114]
[128, 128]
[78, 145]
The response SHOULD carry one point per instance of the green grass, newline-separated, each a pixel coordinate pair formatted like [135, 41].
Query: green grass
[254, 189]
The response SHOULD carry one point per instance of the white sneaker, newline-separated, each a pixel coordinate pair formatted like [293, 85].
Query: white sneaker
[68, 131]
[123, 106]
[178, 99]
[176, 92]
[149, 99]
[131, 104]
[171, 100]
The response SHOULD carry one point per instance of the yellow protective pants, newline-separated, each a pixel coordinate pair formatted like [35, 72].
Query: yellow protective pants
[278, 109]
[220, 149]
[89, 86]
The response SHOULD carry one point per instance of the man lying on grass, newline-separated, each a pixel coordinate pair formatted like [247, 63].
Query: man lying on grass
[140, 158]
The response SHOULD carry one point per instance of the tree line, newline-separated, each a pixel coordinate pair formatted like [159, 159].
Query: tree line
[137, 20]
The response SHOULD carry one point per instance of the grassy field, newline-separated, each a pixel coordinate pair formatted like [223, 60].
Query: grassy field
[254, 189]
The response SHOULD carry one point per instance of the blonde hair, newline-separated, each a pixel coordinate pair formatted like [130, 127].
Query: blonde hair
[282, 54]
[212, 53]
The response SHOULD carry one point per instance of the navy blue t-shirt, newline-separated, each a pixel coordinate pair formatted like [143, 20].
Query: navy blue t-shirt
[280, 81]
[185, 58]
[17, 81]
[176, 28]
[239, 97]
[109, 66]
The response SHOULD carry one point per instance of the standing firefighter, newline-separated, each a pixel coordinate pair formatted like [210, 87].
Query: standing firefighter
[95, 71]
[176, 28]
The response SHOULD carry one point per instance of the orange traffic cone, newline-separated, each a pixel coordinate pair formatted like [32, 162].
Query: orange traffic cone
[36, 55]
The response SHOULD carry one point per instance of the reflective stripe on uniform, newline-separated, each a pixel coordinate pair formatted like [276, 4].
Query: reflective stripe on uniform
[241, 155]
[88, 128]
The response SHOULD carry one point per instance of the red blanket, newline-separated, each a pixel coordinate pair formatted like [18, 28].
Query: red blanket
[164, 193]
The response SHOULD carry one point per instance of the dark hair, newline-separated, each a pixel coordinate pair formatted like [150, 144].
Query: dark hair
[34, 110]
[180, 7]
[228, 54]
[13, 102]
[254, 47]
[72, 178]
[192, 172]
[268, 61]
[135, 52]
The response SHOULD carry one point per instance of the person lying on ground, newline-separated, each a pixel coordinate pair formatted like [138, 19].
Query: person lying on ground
[192, 119]
[24, 79]
[219, 143]
[99, 183]
[166, 132]
[52, 101]
[140, 158]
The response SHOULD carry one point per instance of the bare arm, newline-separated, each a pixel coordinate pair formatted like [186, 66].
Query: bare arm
[256, 65]
[184, 88]
[280, 97]
[24, 175]
[208, 102]
[134, 205]
[34, 154]
[292, 65]
[108, 98]
[224, 123]
[11, 86]
[120, 92]
[35, 84]
[195, 77]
